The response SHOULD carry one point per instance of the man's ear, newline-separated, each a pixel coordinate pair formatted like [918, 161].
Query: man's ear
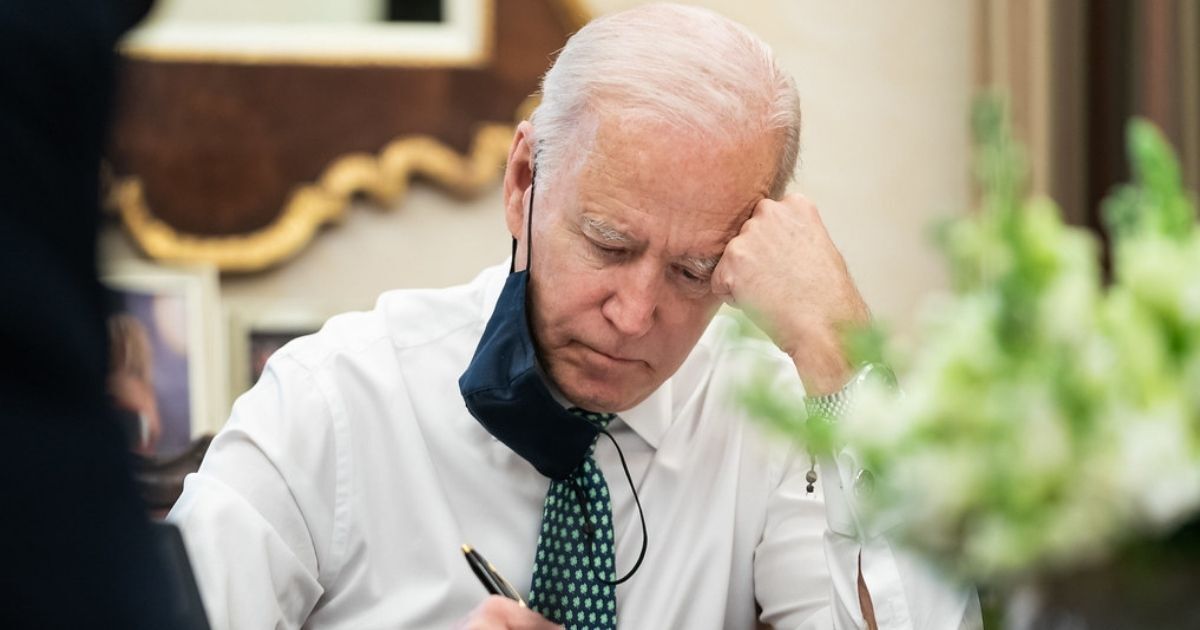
[517, 177]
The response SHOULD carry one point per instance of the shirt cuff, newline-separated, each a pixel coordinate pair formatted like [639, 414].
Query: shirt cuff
[845, 483]
[853, 541]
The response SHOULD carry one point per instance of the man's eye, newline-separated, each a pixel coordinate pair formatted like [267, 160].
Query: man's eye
[613, 252]
[692, 277]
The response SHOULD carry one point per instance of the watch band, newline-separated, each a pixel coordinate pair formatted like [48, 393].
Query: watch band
[831, 406]
[834, 406]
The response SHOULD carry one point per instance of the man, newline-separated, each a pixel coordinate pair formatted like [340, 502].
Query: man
[645, 190]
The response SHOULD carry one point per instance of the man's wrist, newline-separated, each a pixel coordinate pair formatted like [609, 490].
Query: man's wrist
[821, 364]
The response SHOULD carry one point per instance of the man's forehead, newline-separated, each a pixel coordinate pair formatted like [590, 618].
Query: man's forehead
[637, 180]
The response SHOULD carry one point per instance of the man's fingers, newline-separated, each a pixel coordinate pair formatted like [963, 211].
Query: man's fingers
[722, 280]
[501, 613]
[767, 223]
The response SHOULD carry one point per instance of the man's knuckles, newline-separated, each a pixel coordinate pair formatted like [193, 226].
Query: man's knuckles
[495, 605]
[798, 208]
[499, 613]
[722, 278]
[735, 252]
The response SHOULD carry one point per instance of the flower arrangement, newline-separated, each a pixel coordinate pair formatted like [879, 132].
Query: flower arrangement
[1046, 416]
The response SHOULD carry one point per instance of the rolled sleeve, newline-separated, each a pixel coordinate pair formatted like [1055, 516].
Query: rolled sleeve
[259, 517]
[249, 575]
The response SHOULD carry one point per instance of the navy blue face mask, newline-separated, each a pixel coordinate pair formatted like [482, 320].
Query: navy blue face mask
[505, 391]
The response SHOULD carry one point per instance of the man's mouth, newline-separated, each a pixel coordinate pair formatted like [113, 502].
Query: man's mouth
[609, 357]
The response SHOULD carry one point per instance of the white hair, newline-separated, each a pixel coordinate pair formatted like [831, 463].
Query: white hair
[684, 66]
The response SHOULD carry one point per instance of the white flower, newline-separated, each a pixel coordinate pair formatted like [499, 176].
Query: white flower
[1045, 442]
[1160, 470]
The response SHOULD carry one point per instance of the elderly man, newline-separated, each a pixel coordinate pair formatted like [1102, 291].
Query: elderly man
[646, 189]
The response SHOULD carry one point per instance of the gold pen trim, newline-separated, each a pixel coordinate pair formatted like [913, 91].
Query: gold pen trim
[468, 550]
[508, 585]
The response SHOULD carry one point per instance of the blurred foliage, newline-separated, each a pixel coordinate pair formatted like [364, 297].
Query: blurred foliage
[1045, 418]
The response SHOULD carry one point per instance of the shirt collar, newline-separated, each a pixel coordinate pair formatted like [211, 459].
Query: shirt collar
[650, 418]
[493, 279]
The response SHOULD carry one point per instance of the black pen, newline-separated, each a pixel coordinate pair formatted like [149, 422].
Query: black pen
[490, 577]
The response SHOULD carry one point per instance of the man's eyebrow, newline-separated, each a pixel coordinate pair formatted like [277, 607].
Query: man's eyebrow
[601, 229]
[703, 264]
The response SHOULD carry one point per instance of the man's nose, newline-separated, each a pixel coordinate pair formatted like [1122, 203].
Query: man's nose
[633, 305]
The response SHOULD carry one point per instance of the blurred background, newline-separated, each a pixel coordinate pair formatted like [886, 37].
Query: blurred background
[292, 160]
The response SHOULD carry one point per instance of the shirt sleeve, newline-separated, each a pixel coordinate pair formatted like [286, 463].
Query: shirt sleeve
[806, 566]
[259, 517]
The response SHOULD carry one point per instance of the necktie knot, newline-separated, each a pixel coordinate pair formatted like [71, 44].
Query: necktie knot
[599, 420]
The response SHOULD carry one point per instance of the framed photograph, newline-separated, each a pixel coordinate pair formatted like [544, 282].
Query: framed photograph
[257, 334]
[166, 355]
[346, 31]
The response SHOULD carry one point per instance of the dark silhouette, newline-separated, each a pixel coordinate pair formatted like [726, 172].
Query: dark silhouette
[76, 551]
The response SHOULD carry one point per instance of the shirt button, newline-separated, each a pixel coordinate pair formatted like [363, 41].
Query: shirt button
[864, 483]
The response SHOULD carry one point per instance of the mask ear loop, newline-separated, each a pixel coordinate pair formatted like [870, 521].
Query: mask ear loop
[512, 265]
[641, 514]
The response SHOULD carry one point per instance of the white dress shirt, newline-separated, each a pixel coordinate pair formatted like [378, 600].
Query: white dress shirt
[340, 491]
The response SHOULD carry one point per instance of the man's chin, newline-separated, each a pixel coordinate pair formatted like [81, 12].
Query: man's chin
[598, 396]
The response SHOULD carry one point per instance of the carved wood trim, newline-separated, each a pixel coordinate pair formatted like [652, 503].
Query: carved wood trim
[383, 177]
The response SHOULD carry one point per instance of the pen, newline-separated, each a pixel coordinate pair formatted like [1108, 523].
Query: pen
[490, 577]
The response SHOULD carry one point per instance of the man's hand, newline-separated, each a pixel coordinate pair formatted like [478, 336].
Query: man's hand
[501, 613]
[785, 272]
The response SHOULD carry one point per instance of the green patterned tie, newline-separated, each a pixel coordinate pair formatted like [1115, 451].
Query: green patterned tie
[574, 566]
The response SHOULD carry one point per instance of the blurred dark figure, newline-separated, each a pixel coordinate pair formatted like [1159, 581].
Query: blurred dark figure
[74, 546]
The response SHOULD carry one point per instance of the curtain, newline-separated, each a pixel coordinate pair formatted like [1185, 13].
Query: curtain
[1076, 70]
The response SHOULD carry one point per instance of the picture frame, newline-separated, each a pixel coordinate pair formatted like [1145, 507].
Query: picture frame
[167, 354]
[256, 333]
[331, 33]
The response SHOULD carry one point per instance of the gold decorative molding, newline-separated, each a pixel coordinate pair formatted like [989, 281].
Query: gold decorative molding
[384, 177]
